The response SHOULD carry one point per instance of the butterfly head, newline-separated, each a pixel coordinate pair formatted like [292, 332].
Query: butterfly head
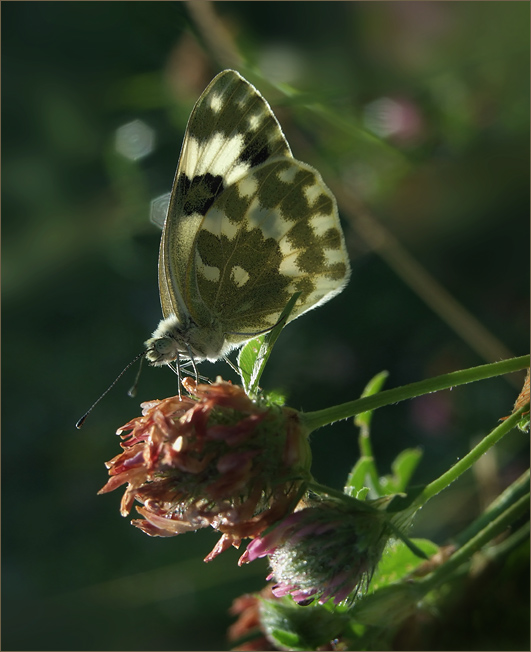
[167, 343]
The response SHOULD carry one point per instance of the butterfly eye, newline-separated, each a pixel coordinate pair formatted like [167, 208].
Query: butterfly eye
[164, 345]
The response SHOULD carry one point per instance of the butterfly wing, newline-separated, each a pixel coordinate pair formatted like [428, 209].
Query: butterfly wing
[273, 232]
[231, 131]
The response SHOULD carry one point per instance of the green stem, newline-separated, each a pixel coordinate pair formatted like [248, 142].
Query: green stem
[364, 442]
[314, 420]
[367, 457]
[501, 550]
[468, 460]
[510, 495]
[363, 421]
[493, 529]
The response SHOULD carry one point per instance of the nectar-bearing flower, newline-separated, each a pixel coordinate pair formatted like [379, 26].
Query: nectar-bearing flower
[214, 458]
[325, 551]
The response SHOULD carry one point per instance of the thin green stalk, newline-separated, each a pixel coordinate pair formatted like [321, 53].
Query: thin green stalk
[501, 550]
[463, 554]
[512, 493]
[367, 457]
[314, 420]
[364, 441]
[363, 421]
[468, 460]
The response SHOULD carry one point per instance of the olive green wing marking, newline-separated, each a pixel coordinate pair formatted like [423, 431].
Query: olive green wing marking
[272, 233]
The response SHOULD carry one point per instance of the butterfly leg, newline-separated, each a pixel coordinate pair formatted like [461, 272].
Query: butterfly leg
[192, 360]
[231, 364]
[177, 370]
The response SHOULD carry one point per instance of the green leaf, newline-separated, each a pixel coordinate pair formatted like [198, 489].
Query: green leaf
[362, 493]
[523, 424]
[392, 595]
[402, 468]
[286, 640]
[247, 359]
[359, 477]
[255, 354]
[293, 627]
[398, 561]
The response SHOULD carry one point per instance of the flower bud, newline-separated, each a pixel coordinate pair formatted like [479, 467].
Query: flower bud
[325, 551]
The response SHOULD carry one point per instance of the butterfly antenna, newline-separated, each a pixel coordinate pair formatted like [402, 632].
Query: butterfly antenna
[132, 390]
[81, 421]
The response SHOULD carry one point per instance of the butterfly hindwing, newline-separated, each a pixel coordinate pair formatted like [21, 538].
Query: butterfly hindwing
[274, 232]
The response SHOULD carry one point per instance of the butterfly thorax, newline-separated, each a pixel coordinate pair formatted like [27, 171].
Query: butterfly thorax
[173, 339]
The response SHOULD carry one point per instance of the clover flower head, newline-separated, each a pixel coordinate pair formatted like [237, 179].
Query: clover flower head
[322, 552]
[214, 458]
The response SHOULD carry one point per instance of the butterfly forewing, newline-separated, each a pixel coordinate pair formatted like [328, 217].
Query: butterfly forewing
[231, 130]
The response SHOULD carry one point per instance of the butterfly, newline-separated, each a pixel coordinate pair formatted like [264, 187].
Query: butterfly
[247, 226]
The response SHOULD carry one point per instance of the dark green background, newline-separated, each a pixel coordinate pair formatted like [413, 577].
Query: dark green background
[80, 296]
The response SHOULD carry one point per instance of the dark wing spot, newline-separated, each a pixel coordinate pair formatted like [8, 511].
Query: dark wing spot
[199, 192]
